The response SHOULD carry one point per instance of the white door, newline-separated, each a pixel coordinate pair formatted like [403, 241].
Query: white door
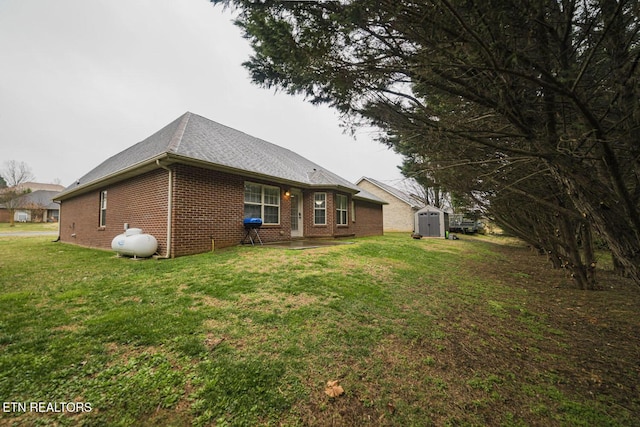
[297, 225]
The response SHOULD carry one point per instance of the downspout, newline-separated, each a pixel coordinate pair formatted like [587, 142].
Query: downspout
[169, 209]
[58, 239]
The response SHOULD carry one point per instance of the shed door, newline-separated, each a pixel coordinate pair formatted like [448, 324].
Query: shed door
[429, 224]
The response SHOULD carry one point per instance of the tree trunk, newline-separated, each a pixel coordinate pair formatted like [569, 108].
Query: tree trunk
[589, 254]
[574, 261]
[607, 216]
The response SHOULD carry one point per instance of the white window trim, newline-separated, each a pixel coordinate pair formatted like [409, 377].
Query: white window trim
[262, 204]
[339, 210]
[103, 209]
[315, 208]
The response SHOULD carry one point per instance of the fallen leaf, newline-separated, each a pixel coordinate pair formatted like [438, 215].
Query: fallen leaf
[333, 389]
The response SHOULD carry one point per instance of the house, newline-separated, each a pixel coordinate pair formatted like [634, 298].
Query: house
[192, 184]
[400, 208]
[35, 205]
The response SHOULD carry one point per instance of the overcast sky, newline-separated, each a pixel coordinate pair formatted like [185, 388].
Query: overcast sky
[81, 80]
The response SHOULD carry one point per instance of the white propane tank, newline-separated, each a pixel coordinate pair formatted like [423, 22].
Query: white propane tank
[134, 243]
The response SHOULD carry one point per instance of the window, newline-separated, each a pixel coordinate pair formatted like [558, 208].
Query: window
[262, 201]
[320, 209]
[103, 208]
[341, 209]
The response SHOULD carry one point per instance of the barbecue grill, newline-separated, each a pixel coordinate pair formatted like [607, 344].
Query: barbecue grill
[251, 226]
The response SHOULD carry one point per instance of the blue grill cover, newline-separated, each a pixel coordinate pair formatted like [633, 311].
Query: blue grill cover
[252, 222]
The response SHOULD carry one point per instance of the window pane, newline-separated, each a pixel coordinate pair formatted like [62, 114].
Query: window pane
[342, 202]
[341, 209]
[341, 217]
[252, 211]
[252, 193]
[271, 196]
[103, 208]
[319, 208]
[320, 199]
[271, 214]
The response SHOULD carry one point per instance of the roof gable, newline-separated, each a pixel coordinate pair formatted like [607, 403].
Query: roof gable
[398, 194]
[153, 146]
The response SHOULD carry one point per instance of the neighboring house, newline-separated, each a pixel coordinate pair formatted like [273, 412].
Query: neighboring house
[35, 186]
[399, 213]
[36, 205]
[192, 183]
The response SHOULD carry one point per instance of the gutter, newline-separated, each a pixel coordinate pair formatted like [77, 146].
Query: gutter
[169, 209]
[119, 175]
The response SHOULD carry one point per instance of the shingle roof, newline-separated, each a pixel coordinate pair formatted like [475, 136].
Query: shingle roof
[39, 198]
[401, 195]
[35, 186]
[193, 137]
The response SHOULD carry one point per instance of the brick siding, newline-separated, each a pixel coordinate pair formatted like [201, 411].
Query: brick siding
[140, 201]
[208, 210]
[209, 205]
[369, 219]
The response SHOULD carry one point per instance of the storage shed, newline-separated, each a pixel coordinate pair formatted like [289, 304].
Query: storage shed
[431, 222]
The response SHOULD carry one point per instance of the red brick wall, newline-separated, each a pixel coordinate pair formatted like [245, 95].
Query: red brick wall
[207, 205]
[140, 201]
[368, 219]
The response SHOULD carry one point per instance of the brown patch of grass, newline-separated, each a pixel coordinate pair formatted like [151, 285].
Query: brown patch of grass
[523, 349]
[67, 328]
[211, 301]
[267, 301]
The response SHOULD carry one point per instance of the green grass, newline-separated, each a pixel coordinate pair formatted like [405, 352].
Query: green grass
[21, 227]
[424, 332]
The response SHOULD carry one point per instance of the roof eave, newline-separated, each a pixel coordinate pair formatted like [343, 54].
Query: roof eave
[256, 175]
[170, 158]
[184, 160]
[367, 199]
[131, 171]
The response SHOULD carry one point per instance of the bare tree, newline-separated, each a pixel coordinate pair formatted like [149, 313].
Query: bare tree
[14, 174]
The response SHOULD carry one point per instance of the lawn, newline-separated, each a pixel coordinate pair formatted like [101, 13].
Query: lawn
[477, 331]
[26, 227]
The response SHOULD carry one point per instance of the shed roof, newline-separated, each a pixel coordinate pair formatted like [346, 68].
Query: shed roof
[193, 138]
